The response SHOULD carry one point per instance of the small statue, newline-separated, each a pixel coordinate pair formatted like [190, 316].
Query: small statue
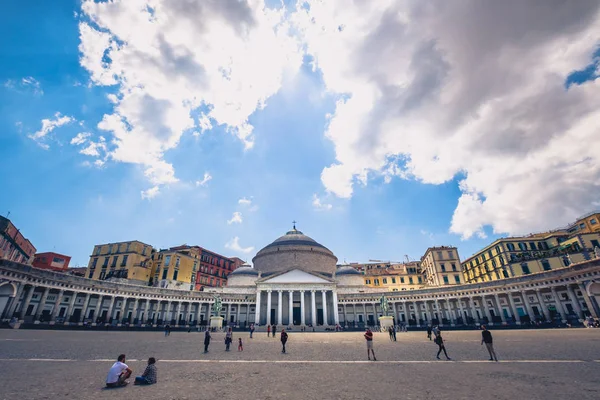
[216, 308]
[383, 302]
[597, 251]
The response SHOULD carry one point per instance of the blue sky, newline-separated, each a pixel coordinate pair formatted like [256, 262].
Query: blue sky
[66, 201]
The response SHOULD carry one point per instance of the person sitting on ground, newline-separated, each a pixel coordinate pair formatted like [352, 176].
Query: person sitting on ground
[149, 375]
[118, 373]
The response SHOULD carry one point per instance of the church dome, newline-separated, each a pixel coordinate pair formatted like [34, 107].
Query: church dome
[345, 270]
[295, 250]
[244, 270]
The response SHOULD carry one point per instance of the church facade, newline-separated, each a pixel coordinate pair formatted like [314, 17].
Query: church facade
[295, 282]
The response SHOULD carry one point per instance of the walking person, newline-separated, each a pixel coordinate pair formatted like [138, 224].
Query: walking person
[486, 337]
[207, 338]
[390, 333]
[274, 330]
[369, 339]
[268, 330]
[394, 332]
[228, 338]
[251, 330]
[240, 345]
[167, 330]
[429, 332]
[284, 339]
[441, 347]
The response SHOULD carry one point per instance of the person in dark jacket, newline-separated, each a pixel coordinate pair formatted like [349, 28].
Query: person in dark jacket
[274, 330]
[486, 337]
[206, 340]
[284, 339]
[429, 332]
[441, 347]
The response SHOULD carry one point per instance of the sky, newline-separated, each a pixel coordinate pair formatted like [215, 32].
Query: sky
[382, 128]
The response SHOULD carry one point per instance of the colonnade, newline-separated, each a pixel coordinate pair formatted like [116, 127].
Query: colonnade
[323, 301]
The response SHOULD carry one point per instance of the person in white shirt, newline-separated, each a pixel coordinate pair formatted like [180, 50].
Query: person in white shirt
[118, 373]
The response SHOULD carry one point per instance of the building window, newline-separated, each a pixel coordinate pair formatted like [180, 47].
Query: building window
[384, 281]
[581, 226]
[105, 262]
[504, 273]
[532, 246]
[440, 256]
[443, 267]
[114, 262]
[175, 274]
[97, 250]
[401, 279]
[595, 244]
[102, 274]
[127, 248]
[420, 280]
[566, 261]
[450, 254]
[94, 262]
[522, 246]
[115, 248]
[593, 221]
[91, 274]
[410, 280]
[456, 278]
[167, 261]
[144, 251]
[510, 246]
[124, 262]
[453, 267]
[525, 268]
[367, 281]
[546, 265]
[376, 282]
[177, 262]
[164, 275]
[446, 280]
[393, 280]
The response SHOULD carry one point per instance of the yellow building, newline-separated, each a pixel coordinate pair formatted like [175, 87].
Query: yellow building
[517, 256]
[589, 223]
[176, 268]
[441, 266]
[390, 276]
[131, 260]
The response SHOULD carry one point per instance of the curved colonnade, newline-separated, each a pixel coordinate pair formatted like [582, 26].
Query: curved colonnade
[33, 295]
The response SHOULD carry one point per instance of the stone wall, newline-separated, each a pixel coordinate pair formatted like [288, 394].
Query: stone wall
[275, 259]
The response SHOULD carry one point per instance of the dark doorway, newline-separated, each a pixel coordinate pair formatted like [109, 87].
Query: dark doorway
[29, 310]
[296, 315]
[273, 316]
[76, 315]
[319, 317]
[360, 318]
[62, 312]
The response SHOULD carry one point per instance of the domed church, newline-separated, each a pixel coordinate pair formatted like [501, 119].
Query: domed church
[295, 281]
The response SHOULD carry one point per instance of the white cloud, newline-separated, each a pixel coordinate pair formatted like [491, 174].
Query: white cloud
[207, 177]
[173, 59]
[150, 193]
[318, 205]
[435, 90]
[81, 138]
[25, 85]
[236, 218]
[48, 125]
[244, 201]
[234, 244]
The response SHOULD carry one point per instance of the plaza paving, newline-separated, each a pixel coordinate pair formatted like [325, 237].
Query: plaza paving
[533, 364]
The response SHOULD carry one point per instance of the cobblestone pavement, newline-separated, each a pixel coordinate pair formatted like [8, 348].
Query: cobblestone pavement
[533, 365]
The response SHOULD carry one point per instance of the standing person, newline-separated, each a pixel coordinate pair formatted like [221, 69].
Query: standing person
[268, 330]
[251, 330]
[429, 332]
[206, 340]
[369, 339]
[274, 330]
[390, 333]
[486, 337]
[118, 373]
[441, 347]
[167, 330]
[240, 345]
[436, 331]
[228, 338]
[149, 375]
[284, 338]
[394, 332]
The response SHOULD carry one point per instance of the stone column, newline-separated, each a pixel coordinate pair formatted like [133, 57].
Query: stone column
[57, 305]
[513, 309]
[248, 314]
[257, 309]
[365, 313]
[98, 311]
[16, 298]
[291, 307]
[314, 308]
[86, 302]
[109, 314]
[336, 316]
[485, 309]
[178, 313]
[146, 313]
[472, 307]
[197, 316]
[70, 307]
[237, 313]
[122, 309]
[169, 312]
[395, 312]
[451, 313]
[439, 312]
[575, 301]
[134, 312]
[588, 301]
[324, 299]
[428, 311]
[228, 313]
[559, 304]
[279, 307]
[528, 306]
[268, 307]
[302, 311]
[41, 304]
[500, 308]
[461, 311]
[542, 305]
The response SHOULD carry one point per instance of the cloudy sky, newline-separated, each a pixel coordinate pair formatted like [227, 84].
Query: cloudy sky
[381, 127]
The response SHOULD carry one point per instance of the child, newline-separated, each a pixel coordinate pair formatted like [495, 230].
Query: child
[240, 345]
[149, 375]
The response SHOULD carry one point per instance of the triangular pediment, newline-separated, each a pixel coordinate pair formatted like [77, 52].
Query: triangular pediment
[296, 276]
